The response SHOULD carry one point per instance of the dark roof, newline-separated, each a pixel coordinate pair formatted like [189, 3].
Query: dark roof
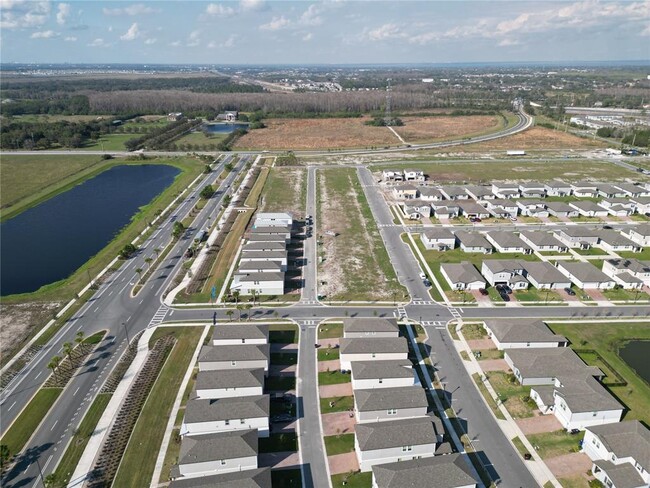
[370, 325]
[622, 475]
[522, 330]
[229, 378]
[450, 471]
[212, 447]
[626, 439]
[239, 331]
[385, 398]
[363, 345]
[210, 410]
[250, 478]
[396, 433]
[366, 370]
[240, 352]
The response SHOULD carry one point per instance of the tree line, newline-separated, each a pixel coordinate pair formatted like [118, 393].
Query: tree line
[45, 135]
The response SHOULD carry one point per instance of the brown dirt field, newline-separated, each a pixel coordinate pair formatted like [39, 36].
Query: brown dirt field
[316, 134]
[422, 129]
[18, 321]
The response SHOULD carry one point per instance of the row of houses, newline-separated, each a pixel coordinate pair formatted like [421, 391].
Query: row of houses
[563, 385]
[395, 436]
[403, 175]
[227, 412]
[264, 256]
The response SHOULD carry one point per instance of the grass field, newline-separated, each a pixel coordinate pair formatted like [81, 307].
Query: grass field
[489, 171]
[110, 142]
[556, 443]
[200, 138]
[339, 444]
[285, 191]
[341, 404]
[427, 129]
[286, 478]
[140, 456]
[352, 480]
[355, 264]
[333, 378]
[606, 338]
[511, 394]
[330, 330]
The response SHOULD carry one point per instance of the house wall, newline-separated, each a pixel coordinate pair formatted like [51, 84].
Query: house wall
[259, 423]
[213, 393]
[368, 335]
[431, 244]
[238, 342]
[371, 384]
[580, 420]
[382, 415]
[367, 459]
[610, 247]
[263, 288]
[551, 286]
[217, 467]
[346, 359]
[238, 364]
[638, 238]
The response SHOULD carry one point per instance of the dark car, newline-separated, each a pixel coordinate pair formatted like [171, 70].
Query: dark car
[483, 291]
[426, 283]
[500, 288]
[570, 292]
[505, 297]
[507, 289]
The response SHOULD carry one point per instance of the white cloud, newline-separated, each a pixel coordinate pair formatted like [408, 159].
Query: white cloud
[219, 10]
[276, 23]
[311, 16]
[48, 34]
[175, 43]
[150, 41]
[131, 10]
[252, 5]
[20, 14]
[99, 42]
[646, 32]
[132, 34]
[110, 28]
[70, 39]
[230, 42]
[386, 31]
[62, 14]
[194, 39]
[508, 42]
[308, 37]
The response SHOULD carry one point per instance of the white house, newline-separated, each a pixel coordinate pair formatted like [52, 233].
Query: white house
[430, 194]
[618, 207]
[532, 189]
[584, 189]
[211, 415]
[542, 366]
[620, 453]
[588, 208]
[522, 333]
[414, 175]
[259, 283]
[462, 276]
[264, 246]
[641, 204]
[438, 239]
[612, 240]
[473, 242]
[450, 471]
[586, 275]
[505, 272]
[505, 190]
[251, 478]
[375, 327]
[561, 210]
[639, 234]
[454, 193]
[638, 269]
[273, 219]
[577, 236]
[542, 241]
[255, 256]
[383, 404]
[533, 208]
[252, 267]
[279, 230]
[253, 356]
[610, 191]
[470, 209]
[396, 440]
[508, 242]
[229, 383]
[233, 335]
[392, 175]
[406, 192]
[502, 208]
[545, 276]
[372, 349]
[557, 188]
[416, 209]
[209, 454]
[445, 210]
[367, 375]
[258, 237]
[633, 190]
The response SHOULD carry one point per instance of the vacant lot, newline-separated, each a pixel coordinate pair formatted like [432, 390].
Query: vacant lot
[316, 134]
[426, 129]
[200, 138]
[489, 171]
[285, 190]
[355, 264]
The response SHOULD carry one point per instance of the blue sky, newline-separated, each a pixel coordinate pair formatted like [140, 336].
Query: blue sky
[330, 31]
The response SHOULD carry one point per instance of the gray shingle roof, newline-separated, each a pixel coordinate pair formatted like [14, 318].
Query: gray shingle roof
[261, 277]
[585, 272]
[578, 231]
[243, 352]
[545, 272]
[522, 330]
[370, 325]
[366, 370]
[643, 229]
[386, 398]
[507, 239]
[240, 331]
[210, 410]
[229, 378]
[479, 191]
[500, 265]
[548, 362]
[451, 471]
[263, 246]
[464, 272]
[270, 255]
[622, 475]
[260, 265]
[473, 239]
[363, 345]
[212, 447]
[613, 238]
[396, 433]
[279, 229]
[250, 478]
[626, 439]
[542, 238]
[560, 207]
[588, 206]
[438, 234]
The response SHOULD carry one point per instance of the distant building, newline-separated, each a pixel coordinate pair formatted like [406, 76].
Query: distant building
[174, 116]
[228, 116]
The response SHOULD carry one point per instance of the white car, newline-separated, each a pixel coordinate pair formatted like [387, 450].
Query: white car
[423, 276]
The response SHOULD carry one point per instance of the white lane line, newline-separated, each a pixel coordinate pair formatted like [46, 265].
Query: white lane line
[48, 462]
[54, 424]
[38, 375]
[96, 310]
[12, 406]
[129, 318]
[110, 293]
[75, 392]
[122, 289]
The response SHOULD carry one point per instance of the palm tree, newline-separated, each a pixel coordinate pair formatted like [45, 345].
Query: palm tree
[67, 350]
[235, 295]
[239, 309]
[248, 306]
[148, 261]
[80, 337]
[157, 252]
[229, 313]
[139, 273]
[53, 365]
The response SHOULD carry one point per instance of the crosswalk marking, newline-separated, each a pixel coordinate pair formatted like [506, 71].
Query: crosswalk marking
[159, 316]
[454, 312]
[433, 323]
[423, 302]
[401, 312]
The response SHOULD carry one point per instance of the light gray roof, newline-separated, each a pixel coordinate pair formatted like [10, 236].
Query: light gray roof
[366, 370]
[429, 191]
[584, 184]
[532, 185]
[270, 255]
[473, 239]
[578, 231]
[265, 246]
[262, 277]
[630, 264]
[557, 184]
[453, 191]
[386, 398]
[544, 272]
[258, 265]
[398, 433]
[239, 331]
[622, 475]
[266, 238]
[370, 325]
[503, 202]
[630, 188]
[560, 207]
[464, 272]
[522, 330]
[240, 352]
[540, 238]
[614, 238]
[500, 265]
[626, 439]
[549, 362]
[607, 188]
[212, 447]
[213, 409]
[250, 478]
[229, 378]
[628, 278]
[364, 345]
[585, 272]
[406, 187]
[643, 229]
[586, 394]
[479, 191]
[507, 239]
[276, 229]
[450, 471]
[438, 233]
[470, 206]
[588, 206]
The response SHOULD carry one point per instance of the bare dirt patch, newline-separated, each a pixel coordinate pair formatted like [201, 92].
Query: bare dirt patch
[423, 129]
[300, 134]
[17, 322]
[284, 191]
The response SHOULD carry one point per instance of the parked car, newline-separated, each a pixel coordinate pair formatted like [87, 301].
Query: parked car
[500, 288]
[504, 297]
[475, 219]
[513, 219]
[483, 292]
[426, 283]
[507, 289]
[570, 292]
[423, 276]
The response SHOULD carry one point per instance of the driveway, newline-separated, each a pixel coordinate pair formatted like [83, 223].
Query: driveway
[597, 295]
[476, 344]
[481, 299]
[338, 423]
[329, 391]
[539, 425]
[494, 365]
[343, 463]
[332, 365]
[575, 463]
[566, 297]
[325, 343]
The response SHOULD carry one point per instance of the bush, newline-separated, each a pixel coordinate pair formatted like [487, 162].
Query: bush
[127, 251]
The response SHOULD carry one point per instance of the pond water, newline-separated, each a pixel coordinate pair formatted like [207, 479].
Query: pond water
[635, 354]
[49, 242]
[224, 128]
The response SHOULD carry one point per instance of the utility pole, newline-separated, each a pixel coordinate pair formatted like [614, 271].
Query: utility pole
[388, 118]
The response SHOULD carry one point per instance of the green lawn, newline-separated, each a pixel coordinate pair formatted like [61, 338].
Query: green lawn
[285, 190]
[286, 478]
[556, 443]
[200, 138]
[473, 331]
[284, 442]
[520, 446]
[534, 295]
[644, 255]
[283, 358]
[625, 295]
[339, 444]
[488, 398]
[333, 378]
[606, 338]
[512, 395]
[330, 330]
[594, 251]
[110, 142]
[341, 404]
[139, 459]
[352, 480]
[281, 383]
[29, 419]
[328, 353]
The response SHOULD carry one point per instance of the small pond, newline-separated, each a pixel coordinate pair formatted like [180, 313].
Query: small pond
[636, 354]
[224, 128]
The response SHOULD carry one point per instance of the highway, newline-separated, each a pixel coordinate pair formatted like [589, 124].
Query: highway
[112, 309]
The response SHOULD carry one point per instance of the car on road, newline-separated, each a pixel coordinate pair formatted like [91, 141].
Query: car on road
[423, 276]
[426, 283]
[483, 292]
[475, 219]
[570, 292]
[513, 219]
